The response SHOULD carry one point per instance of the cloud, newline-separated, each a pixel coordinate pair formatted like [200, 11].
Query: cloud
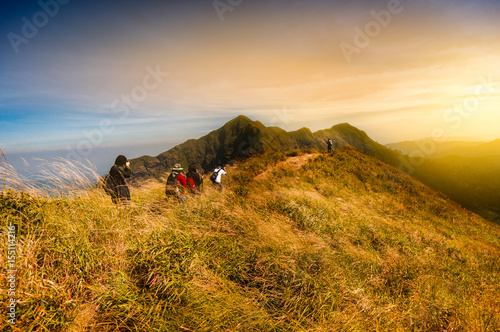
[265, 56]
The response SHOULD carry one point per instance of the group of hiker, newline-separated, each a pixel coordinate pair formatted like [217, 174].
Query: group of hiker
[178, 184]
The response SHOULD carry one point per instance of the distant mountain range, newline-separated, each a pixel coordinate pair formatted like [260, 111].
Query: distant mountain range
[478, 150]
[433, 149]
[467, 172]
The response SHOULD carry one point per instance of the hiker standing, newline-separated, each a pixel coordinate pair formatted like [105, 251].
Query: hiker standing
[194, 180]
[176, 183]
[119, 172]
[329, 143]
[217, 177]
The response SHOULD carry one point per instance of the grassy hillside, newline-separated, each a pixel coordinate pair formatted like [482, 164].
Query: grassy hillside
[473, 182]
[467, 172]
[299, 242]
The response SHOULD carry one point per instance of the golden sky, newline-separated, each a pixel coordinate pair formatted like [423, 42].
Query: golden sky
[410, 68]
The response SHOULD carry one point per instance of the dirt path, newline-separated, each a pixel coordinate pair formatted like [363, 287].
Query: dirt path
[299, 160]
[296, 162]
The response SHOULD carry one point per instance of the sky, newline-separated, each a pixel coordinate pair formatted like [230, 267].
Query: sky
[93, 79]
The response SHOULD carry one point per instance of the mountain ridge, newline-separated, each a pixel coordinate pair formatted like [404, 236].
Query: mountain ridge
[242, 137]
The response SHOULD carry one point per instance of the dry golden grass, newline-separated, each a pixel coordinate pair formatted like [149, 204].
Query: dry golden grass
[57, 177]
[336, 242]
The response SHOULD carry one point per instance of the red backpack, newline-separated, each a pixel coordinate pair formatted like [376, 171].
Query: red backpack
[190, 184]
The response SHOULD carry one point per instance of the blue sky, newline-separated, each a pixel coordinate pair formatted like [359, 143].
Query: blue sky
[109, 77]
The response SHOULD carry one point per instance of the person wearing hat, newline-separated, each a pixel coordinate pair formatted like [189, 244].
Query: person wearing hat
[119, 172]
[176, 183]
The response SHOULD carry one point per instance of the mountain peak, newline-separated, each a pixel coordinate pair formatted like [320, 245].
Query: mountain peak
[239, 120]
[242, 118]
[344, 124]
[347, 127]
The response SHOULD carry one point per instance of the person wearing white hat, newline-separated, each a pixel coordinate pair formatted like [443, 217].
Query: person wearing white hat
[176, 183]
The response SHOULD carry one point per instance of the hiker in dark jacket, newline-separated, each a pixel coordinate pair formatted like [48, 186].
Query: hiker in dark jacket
[119, 172]
[194, 180]
[329, 143]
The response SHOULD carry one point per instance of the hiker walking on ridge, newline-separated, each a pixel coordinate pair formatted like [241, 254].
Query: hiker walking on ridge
[194, 180]
[216, 177]
[329, 143]
[176, 183]
[118, 173]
